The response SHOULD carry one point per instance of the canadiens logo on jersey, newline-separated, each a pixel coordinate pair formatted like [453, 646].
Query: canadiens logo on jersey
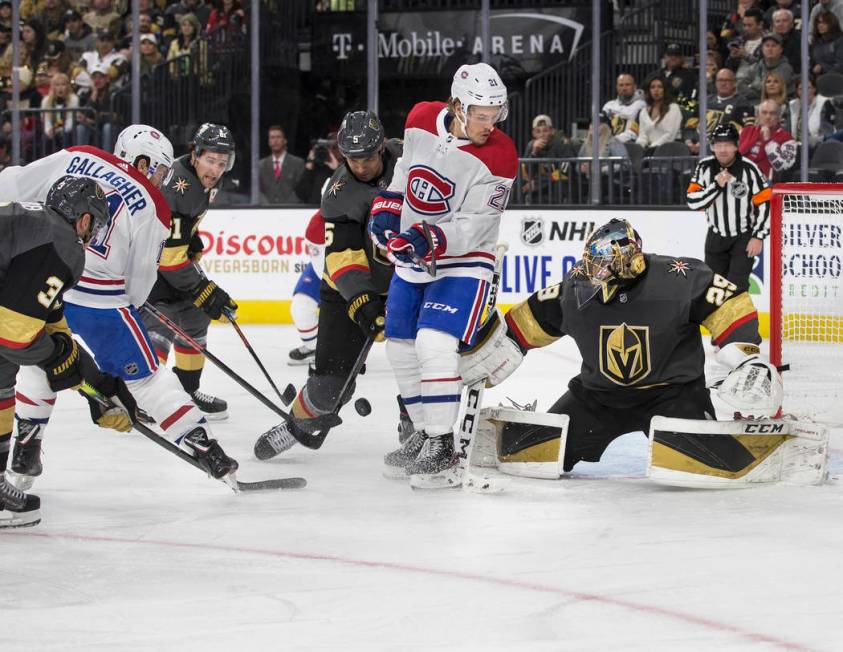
[428, 192]
[625, 353]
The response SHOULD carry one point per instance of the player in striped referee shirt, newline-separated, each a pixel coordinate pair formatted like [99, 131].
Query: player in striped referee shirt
[735, 196]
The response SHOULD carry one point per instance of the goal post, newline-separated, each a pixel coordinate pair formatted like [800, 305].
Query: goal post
[806, 296]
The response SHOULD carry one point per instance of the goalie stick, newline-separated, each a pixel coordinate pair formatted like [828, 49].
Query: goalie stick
[237, 486]
[462, 475]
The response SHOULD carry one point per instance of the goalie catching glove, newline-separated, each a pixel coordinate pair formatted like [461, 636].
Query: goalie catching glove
[215, 301]
[494, 356]
[753, 389]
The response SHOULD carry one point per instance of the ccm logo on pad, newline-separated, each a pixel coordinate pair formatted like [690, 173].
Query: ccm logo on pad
[432, 305]
[428, 191]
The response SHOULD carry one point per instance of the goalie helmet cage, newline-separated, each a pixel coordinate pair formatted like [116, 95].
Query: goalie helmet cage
[806, 297]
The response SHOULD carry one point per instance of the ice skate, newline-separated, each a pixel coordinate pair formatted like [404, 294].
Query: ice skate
[396, 462]
[17, 509]
[274, 442]
[437, 466]
[26, 458]
[301, 356]
[209, 454]
[214, 409]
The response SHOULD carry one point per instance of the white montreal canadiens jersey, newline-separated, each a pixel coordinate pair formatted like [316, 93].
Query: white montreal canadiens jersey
[121, 264]
[461, 187]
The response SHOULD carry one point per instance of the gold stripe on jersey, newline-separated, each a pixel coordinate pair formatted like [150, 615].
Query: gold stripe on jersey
[59, 326]
[173, 258]
[732, 313]
[338, 263]
[527, 328]
[17, 331]
[189, 360]
[759, 447]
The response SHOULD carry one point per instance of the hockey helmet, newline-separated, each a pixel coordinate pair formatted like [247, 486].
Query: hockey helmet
[612, 258]
[72, 197]
[137, 141]
[360, 135]
[214, 138]
[724, 133]
[479, 84]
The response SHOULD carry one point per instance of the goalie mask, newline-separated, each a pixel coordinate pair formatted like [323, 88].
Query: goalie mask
[612, 259]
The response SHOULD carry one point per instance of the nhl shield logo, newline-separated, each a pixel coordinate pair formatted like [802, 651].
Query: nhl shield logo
[625, 353]
[532, 231]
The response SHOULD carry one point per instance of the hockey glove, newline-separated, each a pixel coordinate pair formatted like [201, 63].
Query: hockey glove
[494, 355]
[386, 218]
[367, 311]
[411, 245]
[64, 366]
[213, 300]
[124, 411]
[753, 389]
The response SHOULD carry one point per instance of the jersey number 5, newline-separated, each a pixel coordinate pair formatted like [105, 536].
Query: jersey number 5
[46, 297]
[720, 291]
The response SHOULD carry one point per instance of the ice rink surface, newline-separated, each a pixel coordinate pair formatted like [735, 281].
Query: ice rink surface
[139, 551]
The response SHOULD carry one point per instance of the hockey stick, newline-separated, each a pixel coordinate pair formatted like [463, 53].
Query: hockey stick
[276, 483]
[290, 391]
[322, 421]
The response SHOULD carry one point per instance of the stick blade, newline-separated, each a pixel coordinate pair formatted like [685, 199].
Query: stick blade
[276, 483]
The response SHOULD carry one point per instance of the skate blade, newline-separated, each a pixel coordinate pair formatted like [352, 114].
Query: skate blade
[394, 472]
[215, 416]
[300, 363]
[9, 520]
[450, 478]
[20, 480]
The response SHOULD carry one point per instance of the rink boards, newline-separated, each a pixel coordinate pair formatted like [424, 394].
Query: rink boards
[257, 255]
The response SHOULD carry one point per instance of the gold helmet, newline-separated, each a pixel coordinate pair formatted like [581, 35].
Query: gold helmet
[612, 258]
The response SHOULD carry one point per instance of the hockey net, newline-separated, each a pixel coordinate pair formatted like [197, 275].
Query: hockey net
[806, 297]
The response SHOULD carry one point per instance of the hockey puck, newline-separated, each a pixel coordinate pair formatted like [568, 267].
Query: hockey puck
[363, 407]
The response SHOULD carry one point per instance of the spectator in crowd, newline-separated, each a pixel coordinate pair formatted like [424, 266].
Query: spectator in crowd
[713, 63]
[104, 122]
[608, 147]
[103, 17]
[772, 60]
[660, 120]
[227, 20]
[59, 125]
[680, 81]
[821, 114]
[827, 44]
[5, 38]
[745, 50]
[150, 55]
[791, 39]
[187, 51]
[78, 35]
[105, 54]
[733, 25]
[6, 14]
[57, 58]
[723, 108]
[546, 142]
[49, 12]
[322, 160]
[774, 89]
[197, 8]
[834, 6]
[5, 152]
[145, 26]
[280, 172]
[715, 43]
[794, 7]
[623, 111]
[769, 145]
[32, 33]
[42, 79]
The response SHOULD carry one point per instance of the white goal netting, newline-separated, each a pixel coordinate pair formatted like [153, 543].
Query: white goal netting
[806, 299]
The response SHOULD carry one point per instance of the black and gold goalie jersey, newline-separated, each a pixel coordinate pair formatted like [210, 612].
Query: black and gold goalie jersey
[189, 201]
[647, 335]
[40, 258]
[352, 262]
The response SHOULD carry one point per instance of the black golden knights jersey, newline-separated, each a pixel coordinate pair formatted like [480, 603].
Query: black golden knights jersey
[733, 111]
[647, 335]
[40, 258]
[352, 262]
[189, 201]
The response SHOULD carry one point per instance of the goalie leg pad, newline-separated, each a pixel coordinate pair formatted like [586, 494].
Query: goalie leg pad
[528, 444]
[736, 454]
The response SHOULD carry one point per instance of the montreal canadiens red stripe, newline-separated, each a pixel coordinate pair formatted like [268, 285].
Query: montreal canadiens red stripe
[736, 324]
[307, 330]
[442, 380]
[470, 254]
[25, 399]
[129, 319]
[175, 416]
[476, 310]
[6, 403]
[102, 281]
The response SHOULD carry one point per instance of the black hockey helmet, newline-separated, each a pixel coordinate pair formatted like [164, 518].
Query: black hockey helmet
[724, 133]
[72, 197]
[214, 138]
[360, 135]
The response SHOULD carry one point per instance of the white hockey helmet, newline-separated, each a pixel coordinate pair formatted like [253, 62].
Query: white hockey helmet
[479, 84]
[143, 140]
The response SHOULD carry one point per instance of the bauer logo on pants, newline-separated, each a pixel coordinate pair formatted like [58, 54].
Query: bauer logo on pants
[428, 192]
[625, 353]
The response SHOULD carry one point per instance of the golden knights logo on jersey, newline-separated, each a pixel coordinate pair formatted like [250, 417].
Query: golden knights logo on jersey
[625, 353]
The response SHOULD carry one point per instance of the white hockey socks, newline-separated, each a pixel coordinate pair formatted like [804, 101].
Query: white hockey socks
[441, 384]
[305, 313]
[405, 366]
